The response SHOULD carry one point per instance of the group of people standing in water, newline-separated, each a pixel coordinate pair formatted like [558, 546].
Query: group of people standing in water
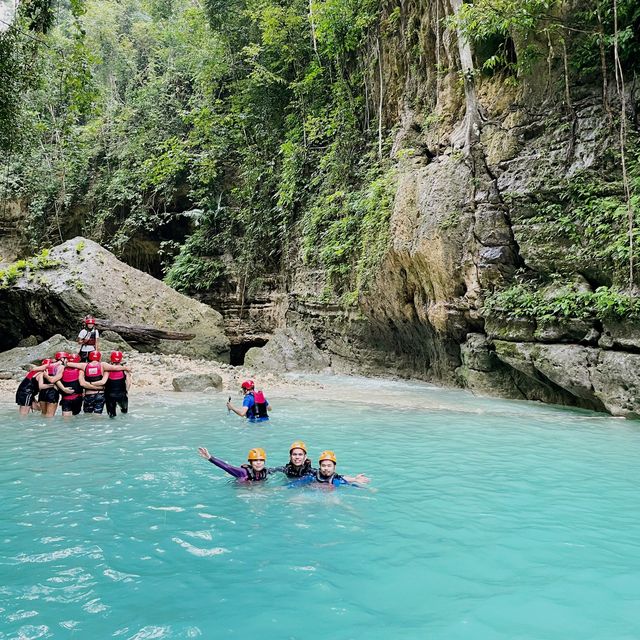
[77, 381]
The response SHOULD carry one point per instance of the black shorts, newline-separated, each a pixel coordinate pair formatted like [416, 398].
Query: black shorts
[74, 405]
[84, 356]
[94, 403]
[51, 395]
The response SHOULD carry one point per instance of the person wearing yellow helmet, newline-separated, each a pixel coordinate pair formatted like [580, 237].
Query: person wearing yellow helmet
[255, 471]
[326, 473]
[299, 465]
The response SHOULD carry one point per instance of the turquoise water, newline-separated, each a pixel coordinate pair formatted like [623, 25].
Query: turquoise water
[484, 519]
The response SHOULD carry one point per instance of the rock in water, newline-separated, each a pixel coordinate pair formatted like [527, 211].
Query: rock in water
[89, 279]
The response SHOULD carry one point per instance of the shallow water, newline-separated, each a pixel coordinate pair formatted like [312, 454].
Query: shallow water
[484, 519]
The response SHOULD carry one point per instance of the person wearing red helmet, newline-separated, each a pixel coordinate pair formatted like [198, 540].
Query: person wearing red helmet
[70, 387]
[254, 471]
[88, 338]
[27, 392]
[93, 378]
[117, 387]
[255, 406]
[47, 380]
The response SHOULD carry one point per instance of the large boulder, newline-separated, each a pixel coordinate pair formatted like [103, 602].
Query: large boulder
[197, 382]
[80, 277]
[288, 350]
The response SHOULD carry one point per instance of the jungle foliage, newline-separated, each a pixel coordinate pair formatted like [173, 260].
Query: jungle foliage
[222, 128]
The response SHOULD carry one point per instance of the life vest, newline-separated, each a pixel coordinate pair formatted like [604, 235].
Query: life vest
[71, 379]
[330, 480]
[31, 374]
[258, 410]
[253, 475]
[116, 383]
[90, 338]
[93, 372]
[292, 471]
[52, 370]
[70, 374]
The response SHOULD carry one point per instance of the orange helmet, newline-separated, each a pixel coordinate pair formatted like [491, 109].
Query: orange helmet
[47, 361]
[95, 356]
[116, 356]
[247, 384]
[61, 355]
[257, 454]
[298, 444]
[89, 320]
[328, 455]
[74, 357]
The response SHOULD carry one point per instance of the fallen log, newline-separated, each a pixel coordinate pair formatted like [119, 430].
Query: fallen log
[141, 333]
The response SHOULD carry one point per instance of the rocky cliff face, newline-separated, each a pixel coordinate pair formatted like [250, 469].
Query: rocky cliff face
[476, 166]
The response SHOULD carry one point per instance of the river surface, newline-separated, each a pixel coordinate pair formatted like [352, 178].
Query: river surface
[483, 519]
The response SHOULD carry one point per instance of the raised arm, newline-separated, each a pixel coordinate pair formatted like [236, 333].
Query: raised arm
[236, 472]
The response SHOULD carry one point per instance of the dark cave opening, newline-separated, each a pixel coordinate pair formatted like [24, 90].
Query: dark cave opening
[239, 350]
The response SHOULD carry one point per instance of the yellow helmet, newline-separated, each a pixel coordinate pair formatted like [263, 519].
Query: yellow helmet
[328, 455]
[257, 454]
[298, 444]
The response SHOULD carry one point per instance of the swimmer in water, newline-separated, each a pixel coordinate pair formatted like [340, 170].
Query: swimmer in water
[299, 465]
[326, 474]
[255, 471]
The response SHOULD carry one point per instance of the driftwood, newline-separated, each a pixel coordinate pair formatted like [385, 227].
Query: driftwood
[141, 333]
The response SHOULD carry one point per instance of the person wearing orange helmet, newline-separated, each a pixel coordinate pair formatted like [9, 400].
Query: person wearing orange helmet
[299, 465]
[88, 338]
[255, 406]
[254, 471]
[326, 473]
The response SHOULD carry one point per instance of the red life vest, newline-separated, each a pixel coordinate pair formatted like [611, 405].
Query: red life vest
[70, 374]
[93, 372]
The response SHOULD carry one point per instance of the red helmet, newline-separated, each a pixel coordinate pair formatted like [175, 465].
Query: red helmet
[247, 384]
[61, 355]
[73, 357]
[89, 320]
[116, 356]
[95, 356]
[47, 361]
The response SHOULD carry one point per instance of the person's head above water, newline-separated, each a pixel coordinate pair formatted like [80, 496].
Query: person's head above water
[298, 453]
[257, 458]
[328, 462]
